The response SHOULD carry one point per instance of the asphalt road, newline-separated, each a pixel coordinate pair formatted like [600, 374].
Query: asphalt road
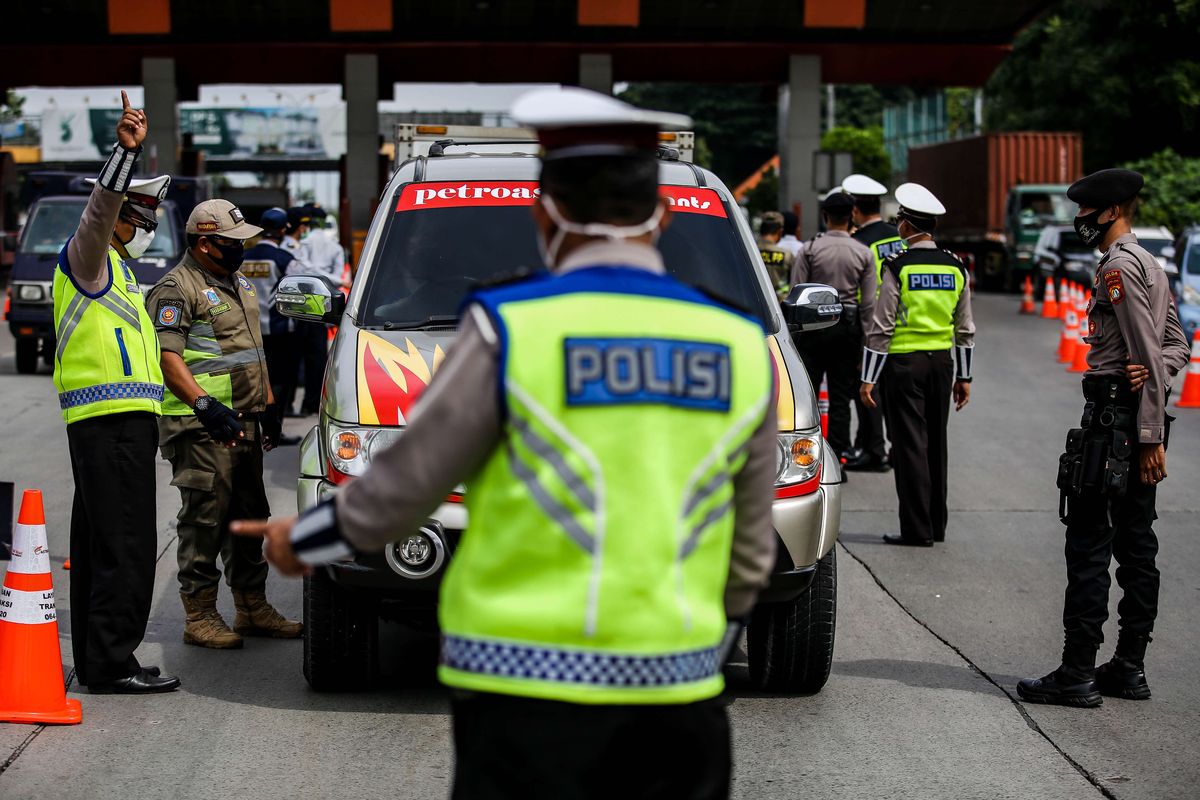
[920, 704]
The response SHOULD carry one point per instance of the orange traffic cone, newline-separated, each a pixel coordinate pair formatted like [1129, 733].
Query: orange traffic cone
[1049, 301]
[1064, 292]
[1068, 335]
[1191, 382]
[823, 406]
[1027, 297]
[31, 682]
[1079, 358]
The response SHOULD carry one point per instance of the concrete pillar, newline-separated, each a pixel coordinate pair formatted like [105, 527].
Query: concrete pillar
[161, 148]
[361, 91]
[596, 72]
[799, 138]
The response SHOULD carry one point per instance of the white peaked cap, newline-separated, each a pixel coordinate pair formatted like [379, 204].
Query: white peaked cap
[916, 198]
[864, 186]
[571, 107]
[151, 187]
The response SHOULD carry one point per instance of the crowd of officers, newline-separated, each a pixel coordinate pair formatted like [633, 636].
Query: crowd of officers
[202, 370]
[906, 326]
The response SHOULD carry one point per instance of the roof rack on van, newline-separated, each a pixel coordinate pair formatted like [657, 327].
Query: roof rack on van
[676, 145]
[414, 140]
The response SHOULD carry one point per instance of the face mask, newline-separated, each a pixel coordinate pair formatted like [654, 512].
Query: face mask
[1089, 227]
[140, 243]
[549, 251]
[231, 255]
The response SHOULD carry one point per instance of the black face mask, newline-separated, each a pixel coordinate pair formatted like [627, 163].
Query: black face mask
[231, 255]
[1090, 229]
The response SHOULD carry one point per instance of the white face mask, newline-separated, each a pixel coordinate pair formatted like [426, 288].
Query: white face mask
[549, 252]
[140, 243]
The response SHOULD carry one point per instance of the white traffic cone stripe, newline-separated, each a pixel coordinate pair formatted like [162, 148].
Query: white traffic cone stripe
[30, 555]
[27, 608]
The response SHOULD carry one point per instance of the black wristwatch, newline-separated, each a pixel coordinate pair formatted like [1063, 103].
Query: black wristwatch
[202, 403]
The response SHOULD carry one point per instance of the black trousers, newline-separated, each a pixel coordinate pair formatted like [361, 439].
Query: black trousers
[833, 353]
[870, 437]
[283, 365]
[1099, 528]
[515, 747]
[113, 541]
[314, 351]
[916, 398]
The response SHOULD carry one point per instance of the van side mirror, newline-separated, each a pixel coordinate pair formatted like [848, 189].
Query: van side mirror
[312, 298]
[812, 306]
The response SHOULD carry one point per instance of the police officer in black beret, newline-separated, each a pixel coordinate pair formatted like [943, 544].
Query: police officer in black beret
[1117, 457]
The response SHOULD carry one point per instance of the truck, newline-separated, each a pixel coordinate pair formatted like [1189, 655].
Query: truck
[56, 201]
[1000, 190]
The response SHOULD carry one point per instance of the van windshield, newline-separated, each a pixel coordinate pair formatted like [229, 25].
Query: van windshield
[50, 225]
[436, 248]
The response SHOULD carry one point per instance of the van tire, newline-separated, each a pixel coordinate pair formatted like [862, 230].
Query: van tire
[27, 355]
[341, 637]
[790, 644]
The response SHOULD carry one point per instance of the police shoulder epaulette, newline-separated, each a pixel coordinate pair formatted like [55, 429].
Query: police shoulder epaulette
[892, 263]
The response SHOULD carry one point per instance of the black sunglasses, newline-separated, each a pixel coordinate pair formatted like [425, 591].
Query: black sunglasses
[139, 222]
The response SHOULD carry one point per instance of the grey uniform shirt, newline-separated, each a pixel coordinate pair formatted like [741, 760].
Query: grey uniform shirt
[1132, 320]
[836, 259]
[451, 434]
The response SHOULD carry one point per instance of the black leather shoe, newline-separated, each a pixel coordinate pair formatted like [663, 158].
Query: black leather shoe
[289, 441]
[141, 683]
[1058, 690]
[900, 540]
[867, 464]
[1124, 679]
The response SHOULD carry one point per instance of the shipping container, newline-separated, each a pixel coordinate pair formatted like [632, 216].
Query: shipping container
[999, 190]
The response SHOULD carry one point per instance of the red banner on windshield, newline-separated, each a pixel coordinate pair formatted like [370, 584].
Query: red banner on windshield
[417, 196]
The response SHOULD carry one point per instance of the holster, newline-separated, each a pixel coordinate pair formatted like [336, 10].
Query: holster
[1098, 456]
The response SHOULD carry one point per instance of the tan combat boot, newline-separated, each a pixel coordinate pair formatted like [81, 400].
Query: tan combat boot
[257, 617]
[204, 627]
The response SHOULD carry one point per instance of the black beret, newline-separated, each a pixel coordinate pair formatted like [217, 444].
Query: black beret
[838, 202]
[1108, 187]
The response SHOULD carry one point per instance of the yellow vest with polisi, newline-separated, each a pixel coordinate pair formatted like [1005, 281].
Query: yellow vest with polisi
[931, 281]
[106, 359]
[595, 564]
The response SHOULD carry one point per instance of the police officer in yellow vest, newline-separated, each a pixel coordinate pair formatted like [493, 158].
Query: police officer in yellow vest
[619, 490]
[882, 239]
[110, 390]
[923, 314]
[219, 415]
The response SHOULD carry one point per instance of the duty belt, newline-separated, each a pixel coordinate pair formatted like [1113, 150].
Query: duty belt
[1098, 453]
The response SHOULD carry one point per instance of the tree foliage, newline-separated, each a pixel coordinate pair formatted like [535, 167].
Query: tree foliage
[866, 144]
[1171, 196]
[735, 125]
[1122, 72]
[10, 108]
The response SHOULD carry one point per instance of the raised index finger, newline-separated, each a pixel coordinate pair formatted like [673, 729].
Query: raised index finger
[124, 100]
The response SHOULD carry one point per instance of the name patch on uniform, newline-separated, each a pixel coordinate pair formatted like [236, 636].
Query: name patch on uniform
[212, 297]
[624, 371]
[256, 268]
[168, 312]
[1113, 285]
[245, 284]
[217, 311]
[921, 281]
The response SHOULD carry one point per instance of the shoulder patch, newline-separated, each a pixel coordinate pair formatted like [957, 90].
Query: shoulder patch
[246, 285]
[1113, 285]
[168, 313]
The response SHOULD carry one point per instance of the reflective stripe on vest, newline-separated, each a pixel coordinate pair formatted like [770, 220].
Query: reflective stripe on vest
[106, 358]
[929, 293]
[601, 527]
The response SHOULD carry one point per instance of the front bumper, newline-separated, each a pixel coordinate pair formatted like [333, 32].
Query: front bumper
[31, 319]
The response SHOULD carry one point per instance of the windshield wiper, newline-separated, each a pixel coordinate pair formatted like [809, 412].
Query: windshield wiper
[435, 320]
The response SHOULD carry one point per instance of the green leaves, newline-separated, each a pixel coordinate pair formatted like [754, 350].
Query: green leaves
[1171, 196]
[870, 157]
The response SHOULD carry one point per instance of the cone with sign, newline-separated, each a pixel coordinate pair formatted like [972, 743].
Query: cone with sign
[1049, 301]
[31, 681]
[1191, 382]
[823, 406]
[1027, 306]
[1079, 357]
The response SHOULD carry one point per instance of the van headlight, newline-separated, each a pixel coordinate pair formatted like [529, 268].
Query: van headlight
[351, 448]
[799, 458]
[30, 293]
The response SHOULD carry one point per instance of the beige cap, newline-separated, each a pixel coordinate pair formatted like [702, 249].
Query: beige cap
[220, 218]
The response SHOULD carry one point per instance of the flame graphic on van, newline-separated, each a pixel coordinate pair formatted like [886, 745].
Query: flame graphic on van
[391, 378]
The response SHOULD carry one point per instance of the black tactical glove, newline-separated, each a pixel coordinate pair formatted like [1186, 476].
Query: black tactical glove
[219, 420]
[270, 426]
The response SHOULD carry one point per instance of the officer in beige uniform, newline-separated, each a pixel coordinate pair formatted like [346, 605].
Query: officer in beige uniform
[219, 415]
[779, 259]
[1116, 458]
[836, 259]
